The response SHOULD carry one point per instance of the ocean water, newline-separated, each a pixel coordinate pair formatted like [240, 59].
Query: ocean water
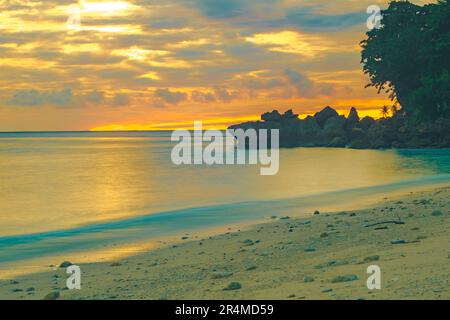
[66, 192]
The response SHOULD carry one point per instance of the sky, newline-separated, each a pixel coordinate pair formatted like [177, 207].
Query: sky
[157, 64]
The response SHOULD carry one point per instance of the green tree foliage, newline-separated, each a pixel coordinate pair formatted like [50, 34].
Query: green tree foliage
[409, 58]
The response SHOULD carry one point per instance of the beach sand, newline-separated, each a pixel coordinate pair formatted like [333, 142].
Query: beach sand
[323, 256]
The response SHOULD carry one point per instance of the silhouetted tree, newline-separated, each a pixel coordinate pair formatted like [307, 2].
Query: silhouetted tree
[394, 109]
[408, 57]
[384, 111]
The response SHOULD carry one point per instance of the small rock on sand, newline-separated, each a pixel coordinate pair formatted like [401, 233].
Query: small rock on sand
[52, 296]
[308, 279]
[309, 249]
[327, 290]
[65, 264]
[344, 278]
[333, 263]
[436, 213]
[233, 286]
[317, 212]
[115, 264]
[398, 242]
[371, 258]
[221, 274]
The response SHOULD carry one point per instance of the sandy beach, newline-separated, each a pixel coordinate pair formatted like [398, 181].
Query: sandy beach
[324, 256]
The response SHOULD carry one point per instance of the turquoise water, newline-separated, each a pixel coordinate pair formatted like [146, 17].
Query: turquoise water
[65, 192]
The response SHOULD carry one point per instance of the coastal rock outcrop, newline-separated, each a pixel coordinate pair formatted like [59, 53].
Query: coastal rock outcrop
[329, 129]
[271, 116]
[353, 117]
[325, 114]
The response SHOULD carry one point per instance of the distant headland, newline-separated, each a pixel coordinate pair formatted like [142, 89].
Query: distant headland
[407, 58]
[329, 129]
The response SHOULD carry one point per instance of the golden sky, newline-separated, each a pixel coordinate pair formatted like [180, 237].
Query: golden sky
[157, 64]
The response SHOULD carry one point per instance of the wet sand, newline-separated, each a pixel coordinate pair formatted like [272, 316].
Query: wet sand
[322, 256]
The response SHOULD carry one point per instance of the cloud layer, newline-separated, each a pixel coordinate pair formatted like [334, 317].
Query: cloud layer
[153, 61]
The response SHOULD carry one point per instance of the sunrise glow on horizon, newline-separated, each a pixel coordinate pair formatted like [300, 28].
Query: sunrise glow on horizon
[142, 65]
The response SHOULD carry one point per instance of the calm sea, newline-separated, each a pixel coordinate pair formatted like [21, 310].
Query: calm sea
[64, 192]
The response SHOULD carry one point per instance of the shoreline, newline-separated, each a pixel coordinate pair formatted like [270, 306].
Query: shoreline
[242, 216]
[287, 258]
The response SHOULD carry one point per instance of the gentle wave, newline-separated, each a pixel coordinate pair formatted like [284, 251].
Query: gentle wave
[28, 246]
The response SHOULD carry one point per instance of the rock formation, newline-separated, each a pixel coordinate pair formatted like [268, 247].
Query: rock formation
[329, 129]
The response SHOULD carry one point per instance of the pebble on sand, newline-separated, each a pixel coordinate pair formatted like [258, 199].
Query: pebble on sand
[221, 274]
[371, 258]
[398, 242]
[344, 278]
[436, 213]
[308, 279]
[65, 264]
[233, 286]
[52, 296]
